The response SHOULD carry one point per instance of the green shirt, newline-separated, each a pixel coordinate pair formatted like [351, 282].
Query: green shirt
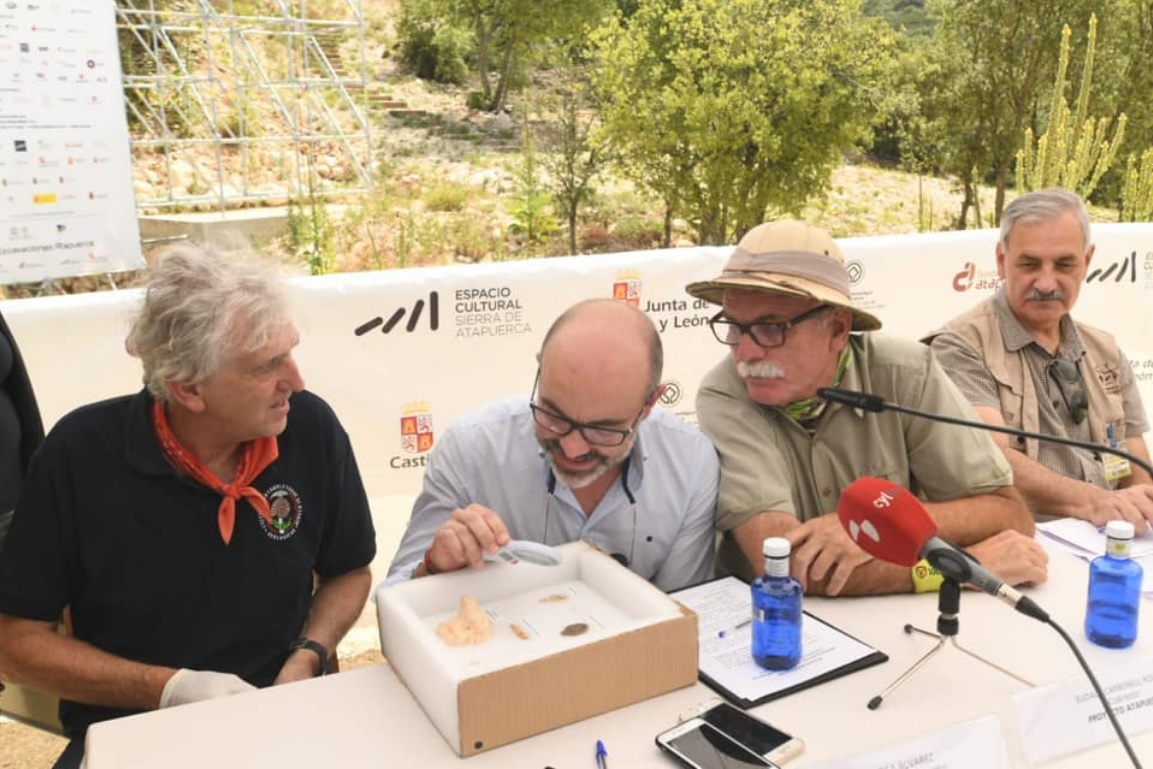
[771, 463]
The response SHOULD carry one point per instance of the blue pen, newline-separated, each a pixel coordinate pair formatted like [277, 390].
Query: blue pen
[1109, 435]
[602, 756]
[722, 633]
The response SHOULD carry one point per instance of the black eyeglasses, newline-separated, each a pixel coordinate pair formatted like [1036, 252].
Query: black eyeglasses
[1068, 378]
[594, 435]
[764, 334]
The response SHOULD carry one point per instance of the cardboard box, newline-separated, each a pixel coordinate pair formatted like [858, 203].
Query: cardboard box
[636, 643]
[30, 707]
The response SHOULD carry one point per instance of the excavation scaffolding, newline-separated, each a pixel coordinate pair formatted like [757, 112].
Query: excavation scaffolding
[231, 102]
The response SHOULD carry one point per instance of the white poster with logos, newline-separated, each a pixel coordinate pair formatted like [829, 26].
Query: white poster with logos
[65, 163]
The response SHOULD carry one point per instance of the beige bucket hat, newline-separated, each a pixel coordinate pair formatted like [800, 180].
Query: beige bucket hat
[792, 258]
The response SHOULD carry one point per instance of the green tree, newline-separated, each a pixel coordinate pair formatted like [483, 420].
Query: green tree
[573, 158]
[504, 32]
[994, 60]
[907, 15]
[904, 136]
[431, 47]
[729, 108]
[529, 206]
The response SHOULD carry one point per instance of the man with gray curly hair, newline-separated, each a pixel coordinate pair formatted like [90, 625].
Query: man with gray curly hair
[207, 535]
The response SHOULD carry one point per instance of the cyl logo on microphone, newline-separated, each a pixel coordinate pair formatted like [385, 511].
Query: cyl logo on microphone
[883, 500]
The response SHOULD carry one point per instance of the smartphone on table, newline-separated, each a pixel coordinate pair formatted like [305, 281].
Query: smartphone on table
[726, 737]
[754, 733]
[699, 745]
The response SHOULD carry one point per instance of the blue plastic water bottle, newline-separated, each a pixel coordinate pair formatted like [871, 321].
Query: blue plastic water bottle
[1114, 590]
[776, 610]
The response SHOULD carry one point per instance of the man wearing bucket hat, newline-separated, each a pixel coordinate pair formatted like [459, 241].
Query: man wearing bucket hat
[1023, 361]
[789, 321]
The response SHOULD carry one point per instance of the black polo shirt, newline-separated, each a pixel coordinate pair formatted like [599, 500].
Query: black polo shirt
[107, 526]
[20, 427]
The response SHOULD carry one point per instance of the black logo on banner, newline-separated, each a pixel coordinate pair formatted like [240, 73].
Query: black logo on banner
[1121, 271]
[413, 317]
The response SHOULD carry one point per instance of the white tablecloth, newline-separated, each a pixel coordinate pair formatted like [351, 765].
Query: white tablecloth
[367, 718]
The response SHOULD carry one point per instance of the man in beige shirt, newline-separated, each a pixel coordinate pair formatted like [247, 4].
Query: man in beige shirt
[1022, 361]
[786, 455]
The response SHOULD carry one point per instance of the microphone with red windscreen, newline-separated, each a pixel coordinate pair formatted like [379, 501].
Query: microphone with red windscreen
[889, 523]
[876, 515]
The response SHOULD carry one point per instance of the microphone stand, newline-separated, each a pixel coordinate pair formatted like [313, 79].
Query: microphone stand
[948, 624]
[877, 404]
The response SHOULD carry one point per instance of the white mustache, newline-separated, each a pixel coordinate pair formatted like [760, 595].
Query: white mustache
[762, 369]
[1033, 295]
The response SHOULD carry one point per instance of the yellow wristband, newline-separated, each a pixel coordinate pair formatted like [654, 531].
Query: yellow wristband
[926, 578]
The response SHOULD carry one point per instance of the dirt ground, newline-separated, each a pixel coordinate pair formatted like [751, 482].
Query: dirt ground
[24, 747]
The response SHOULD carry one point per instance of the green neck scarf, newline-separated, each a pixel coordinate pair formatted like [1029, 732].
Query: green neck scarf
[811, 408]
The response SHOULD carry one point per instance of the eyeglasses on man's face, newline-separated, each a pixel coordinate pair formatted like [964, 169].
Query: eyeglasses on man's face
[593, 434]
[1069, 382]
[764, 333]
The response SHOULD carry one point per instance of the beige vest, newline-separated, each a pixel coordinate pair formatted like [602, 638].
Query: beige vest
[1100, 370]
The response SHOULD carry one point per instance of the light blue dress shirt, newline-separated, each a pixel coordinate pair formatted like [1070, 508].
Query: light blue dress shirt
[491, 457]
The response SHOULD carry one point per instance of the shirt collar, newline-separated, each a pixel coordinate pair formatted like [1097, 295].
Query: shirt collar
[142, 451]
[851, 377]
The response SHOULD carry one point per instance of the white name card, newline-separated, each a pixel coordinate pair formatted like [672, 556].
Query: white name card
[1067, 717]
[974, 743]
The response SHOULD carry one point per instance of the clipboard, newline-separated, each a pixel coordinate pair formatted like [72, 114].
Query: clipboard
[723, 607]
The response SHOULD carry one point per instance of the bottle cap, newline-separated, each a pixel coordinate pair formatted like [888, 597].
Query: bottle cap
[1114, 530]
[776, 547]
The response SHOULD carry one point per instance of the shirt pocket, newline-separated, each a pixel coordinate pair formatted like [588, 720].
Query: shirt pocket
[888, 471]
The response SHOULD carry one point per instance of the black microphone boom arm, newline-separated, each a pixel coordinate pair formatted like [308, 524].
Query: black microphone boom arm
[877, 404]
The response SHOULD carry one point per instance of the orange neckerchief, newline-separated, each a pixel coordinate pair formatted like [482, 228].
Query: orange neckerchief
[258, 454]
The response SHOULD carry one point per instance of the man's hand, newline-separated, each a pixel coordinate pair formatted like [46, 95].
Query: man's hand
[195, 685]
[1133, 504]
[465, 537]
[822, 549]
[1013, 557]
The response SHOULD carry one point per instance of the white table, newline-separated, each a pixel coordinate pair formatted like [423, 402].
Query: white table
[367, 718]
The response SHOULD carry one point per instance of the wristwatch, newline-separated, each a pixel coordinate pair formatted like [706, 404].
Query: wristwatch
[314, 647]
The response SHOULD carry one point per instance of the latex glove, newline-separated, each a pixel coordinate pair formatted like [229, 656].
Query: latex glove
[196, 685]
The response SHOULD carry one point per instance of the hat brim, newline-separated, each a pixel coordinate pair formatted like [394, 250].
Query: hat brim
[713, 291]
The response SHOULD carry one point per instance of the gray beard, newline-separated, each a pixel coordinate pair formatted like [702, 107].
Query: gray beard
[591, 476]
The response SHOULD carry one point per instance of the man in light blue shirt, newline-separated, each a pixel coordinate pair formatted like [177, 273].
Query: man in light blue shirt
[585, 457]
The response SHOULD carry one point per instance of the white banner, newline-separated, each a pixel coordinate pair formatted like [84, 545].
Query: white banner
[400, 354]
[66, 195]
